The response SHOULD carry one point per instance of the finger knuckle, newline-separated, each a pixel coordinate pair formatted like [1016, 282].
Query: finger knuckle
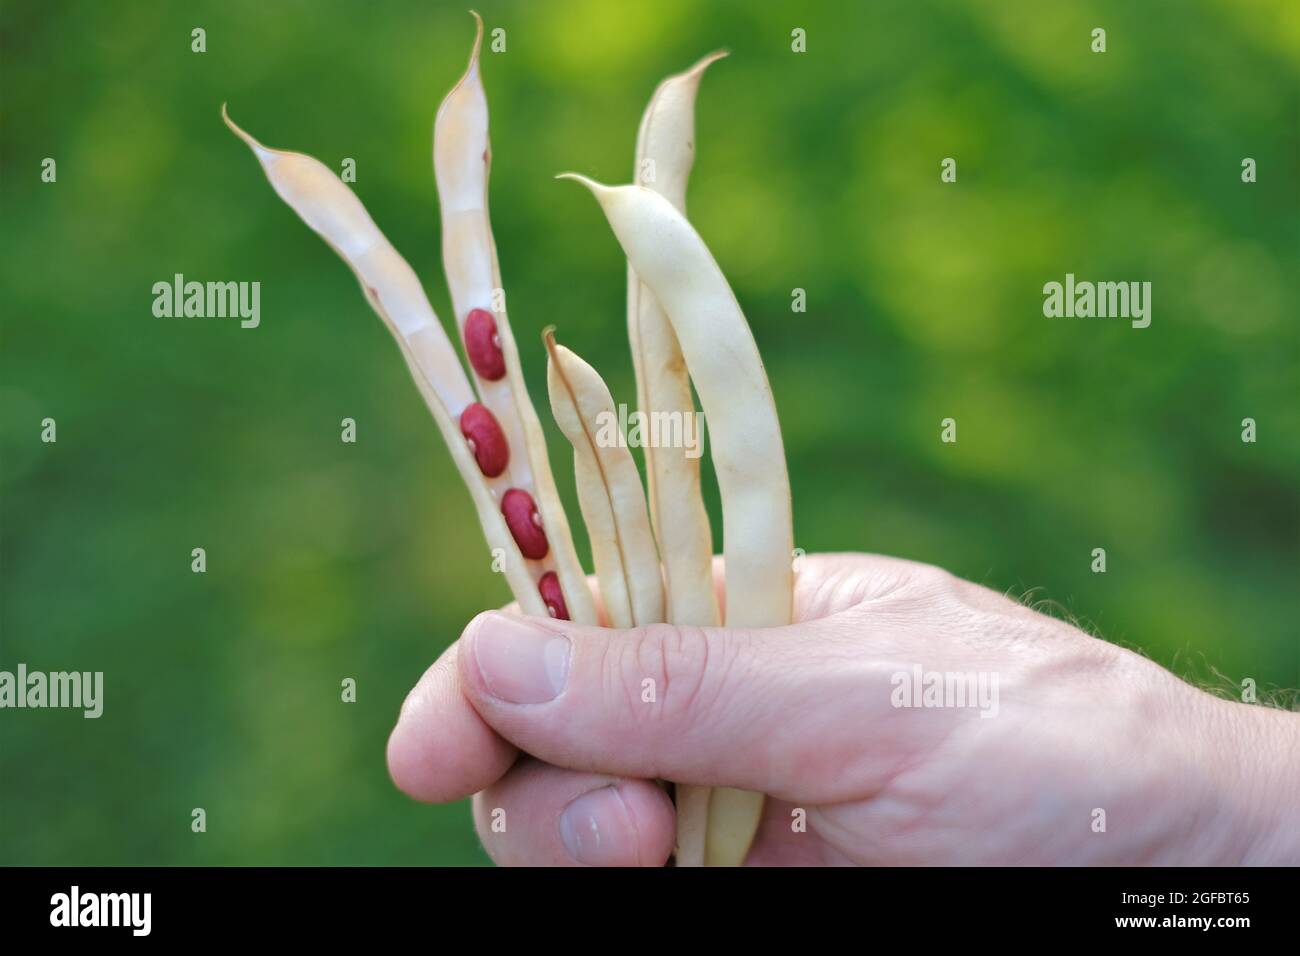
[663, 669]
[938, 580]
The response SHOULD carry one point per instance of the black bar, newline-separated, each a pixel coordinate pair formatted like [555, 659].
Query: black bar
[439, 905]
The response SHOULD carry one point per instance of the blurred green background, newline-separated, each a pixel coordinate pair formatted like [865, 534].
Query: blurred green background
[818, 171]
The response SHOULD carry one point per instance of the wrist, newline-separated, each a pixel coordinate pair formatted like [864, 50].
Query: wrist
[1256, 758]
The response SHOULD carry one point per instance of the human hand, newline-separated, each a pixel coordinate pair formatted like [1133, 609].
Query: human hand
[1068, 727]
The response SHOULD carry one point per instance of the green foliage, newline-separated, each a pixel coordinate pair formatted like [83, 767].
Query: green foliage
[818, 171]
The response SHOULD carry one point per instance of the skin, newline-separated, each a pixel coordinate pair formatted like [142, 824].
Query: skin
[544, 720]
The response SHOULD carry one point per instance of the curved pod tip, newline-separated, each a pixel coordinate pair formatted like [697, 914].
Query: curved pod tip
[470, 82]
[560, 357]
[557, 355]
[704, 62]
[478, 44]
[599, 190]
[263, 152]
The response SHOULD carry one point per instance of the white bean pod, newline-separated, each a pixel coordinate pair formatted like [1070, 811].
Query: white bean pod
[462, 158]
[393, 290]
[748, 455]
[609, 491]
[664, 156]
[665, 153]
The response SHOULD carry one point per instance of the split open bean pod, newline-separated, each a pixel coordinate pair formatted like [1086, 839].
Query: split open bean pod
[462, 159]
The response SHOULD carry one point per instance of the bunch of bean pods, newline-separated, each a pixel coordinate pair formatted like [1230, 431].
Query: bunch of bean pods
[653, 565]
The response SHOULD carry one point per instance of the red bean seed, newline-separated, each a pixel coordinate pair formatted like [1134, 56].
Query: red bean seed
[483, 345]
[525, 523]
[485, 438]
[549, 586]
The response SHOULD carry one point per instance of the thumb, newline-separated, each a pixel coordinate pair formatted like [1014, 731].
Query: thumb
[775, 710]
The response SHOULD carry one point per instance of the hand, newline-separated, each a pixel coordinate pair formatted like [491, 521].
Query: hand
[1068, 728]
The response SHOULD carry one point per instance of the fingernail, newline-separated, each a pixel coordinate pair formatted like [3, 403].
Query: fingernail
[520, 662]
[597, 829]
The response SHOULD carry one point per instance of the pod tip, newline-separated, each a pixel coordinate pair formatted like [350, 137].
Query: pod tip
[599, 190]
[478, 38]
[555, 352]
[706, 61]
[471, 74]
[253, 144]
[552, 346]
